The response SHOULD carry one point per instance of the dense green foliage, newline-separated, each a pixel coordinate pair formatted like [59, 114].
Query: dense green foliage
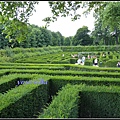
[15, 29]
[43, 99]
[68, 94]
[82, 37]
[94, 102]
[54, 55]
[23, 101]
[14, 16]
[31, 53]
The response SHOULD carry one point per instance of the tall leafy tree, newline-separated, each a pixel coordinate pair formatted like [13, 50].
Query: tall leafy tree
[3, 40]
[82, 37]
[68, 41]
[14, 16]
[33, 36]
[45, 37]
[61, 39]
[55, 39]
[101, 35]
[111, 17]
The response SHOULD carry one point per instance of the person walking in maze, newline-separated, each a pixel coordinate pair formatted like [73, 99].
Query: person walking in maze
[95, 62]
[83, 60]
[118, 64]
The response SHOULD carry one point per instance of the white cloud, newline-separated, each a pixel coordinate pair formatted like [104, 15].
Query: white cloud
[64, 24]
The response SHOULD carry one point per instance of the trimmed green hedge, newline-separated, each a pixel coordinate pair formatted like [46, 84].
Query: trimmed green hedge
[10, 81]
[24, 101]
[57, 67]
[89, 48]
[111, 63]
[90, 68]
[100, 102]
[68, 72]
[94, 102]
[31, 67]
[64, 105]
[4, 72]
[11, 55]
[56, 82]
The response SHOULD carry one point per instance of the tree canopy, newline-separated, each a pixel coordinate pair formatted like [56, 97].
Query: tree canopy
[14, 15]
[82, 37]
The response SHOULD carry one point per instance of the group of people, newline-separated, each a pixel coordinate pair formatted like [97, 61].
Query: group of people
[81, 61]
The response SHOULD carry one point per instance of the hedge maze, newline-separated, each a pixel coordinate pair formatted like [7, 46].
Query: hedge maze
[52, 86]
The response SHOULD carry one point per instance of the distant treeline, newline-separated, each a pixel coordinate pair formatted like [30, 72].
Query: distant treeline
[40, 37]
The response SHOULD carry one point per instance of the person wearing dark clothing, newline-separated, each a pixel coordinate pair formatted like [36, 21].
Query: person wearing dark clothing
[118, 64]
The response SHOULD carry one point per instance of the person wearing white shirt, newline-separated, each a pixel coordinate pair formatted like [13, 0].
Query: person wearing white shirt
[96, 62]
[83, 60]
[79, 61]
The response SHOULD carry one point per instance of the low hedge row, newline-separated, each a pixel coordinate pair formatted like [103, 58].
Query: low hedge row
[4, 72]
[48, 58]
[32, 67]
[99, 102]
[56, 82]
[64, 105]
[89, 48]
[11, 55]
[90, 68]
[86, 101]
[10, 81]
[24, 101]
[57, 66]
[26, 64]
[68, 72]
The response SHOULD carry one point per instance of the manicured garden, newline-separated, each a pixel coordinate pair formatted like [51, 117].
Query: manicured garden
[53, 86]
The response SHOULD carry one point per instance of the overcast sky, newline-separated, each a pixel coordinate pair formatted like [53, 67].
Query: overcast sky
[64, 24]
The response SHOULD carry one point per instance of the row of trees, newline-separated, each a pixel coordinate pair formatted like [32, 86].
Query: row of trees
[107, 16]
[36, 37]
[40, 36]
[104, 36]
[15, 32]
